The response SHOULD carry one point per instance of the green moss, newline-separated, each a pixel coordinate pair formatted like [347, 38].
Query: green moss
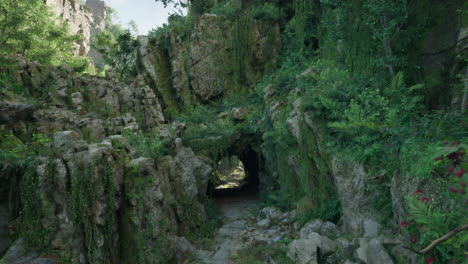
[162, 67]
[83, 197]
[139, 232]
[101, 108]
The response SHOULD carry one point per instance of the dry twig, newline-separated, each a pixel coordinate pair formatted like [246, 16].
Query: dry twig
[439, 240]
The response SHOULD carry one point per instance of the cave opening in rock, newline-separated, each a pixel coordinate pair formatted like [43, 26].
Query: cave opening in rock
[229, 173]
[235, 175]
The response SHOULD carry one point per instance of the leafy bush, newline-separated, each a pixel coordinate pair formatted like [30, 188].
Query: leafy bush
[226, 10]
[118, 49]
[197, 114]
[160, 35]
[8, 84]
[330, 210]
[431, 219]
[267, 12]
[149, 146]
[31, 29]
[182, 25]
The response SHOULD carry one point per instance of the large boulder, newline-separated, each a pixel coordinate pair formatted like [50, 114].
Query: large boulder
[372, 251]
[350, 180]
[306, 249]
[11, 112]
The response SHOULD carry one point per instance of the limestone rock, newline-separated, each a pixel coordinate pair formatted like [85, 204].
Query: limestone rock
[13, 112]
[350, 182]
[239, 114]
[305, 250]
[19, 254]
[68, 142]
[77, 99]
[183, 249]
[371, 228]
[193, 173]
[80, 19]
[196, 66]
[312, 226]
[330, 230]
[99, 11]
[272, 213]
[265, 223]
[372, 251]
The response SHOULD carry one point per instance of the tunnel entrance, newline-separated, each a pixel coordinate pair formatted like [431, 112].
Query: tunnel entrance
[235, 175]
[229, 174]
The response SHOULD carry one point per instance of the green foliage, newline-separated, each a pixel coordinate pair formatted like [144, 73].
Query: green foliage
[140, 233]
[18, 154]
[18, 164]
[182, 25]
[101, 108]
[10, 86]
[198, 114]
[204, 236]
[160, 35]
[118, 48]
[261, 253]
[431, 223]
[226, 10]
[149, 146]
[83, 197]
[268, 12]
[330, 210]
[29, 28]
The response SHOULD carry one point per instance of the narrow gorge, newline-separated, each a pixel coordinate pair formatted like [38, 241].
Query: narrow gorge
[242, 132]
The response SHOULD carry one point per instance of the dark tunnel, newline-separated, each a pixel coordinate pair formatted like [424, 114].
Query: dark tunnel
[236, 175]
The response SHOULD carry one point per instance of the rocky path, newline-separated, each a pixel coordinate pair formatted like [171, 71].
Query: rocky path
[227, 240]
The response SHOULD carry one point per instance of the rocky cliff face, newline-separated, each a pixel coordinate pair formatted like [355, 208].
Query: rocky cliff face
[88, 196]
[99, 10]
[93, 199]
[79, 18]
[214, 62]
[86, 20]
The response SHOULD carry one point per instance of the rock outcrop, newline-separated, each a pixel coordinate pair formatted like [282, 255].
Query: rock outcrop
[207, 66]
[89, 194]
[99, 10]
[85, 20]
[80, 19]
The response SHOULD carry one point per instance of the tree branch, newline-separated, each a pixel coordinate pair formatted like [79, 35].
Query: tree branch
[465, 93]
[439, 240]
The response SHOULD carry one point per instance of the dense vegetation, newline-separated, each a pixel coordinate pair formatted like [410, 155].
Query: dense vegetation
[30, 29]
[370, 92]
[118, 46]
[364, 70]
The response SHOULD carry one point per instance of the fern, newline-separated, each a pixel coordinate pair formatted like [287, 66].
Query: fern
[430, 216]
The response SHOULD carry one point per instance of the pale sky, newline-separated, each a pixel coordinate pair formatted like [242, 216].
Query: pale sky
[147, 14]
